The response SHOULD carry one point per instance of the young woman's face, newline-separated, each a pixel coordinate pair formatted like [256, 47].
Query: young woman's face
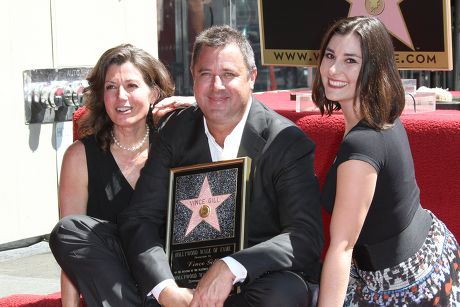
[340, 68]
[127, 97]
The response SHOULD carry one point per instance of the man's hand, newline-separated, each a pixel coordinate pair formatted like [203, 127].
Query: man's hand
[214, 287]
[169, 104]
[173, 296]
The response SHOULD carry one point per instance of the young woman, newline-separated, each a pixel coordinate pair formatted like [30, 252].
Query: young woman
[385, 249]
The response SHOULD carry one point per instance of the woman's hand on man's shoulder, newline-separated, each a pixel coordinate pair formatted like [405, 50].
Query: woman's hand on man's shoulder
[169, 104]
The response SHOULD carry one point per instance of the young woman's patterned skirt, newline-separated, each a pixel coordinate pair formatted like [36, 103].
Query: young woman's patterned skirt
[429, 278]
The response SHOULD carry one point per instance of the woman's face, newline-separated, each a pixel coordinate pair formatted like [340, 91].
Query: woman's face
[126, 95]
[340, 68]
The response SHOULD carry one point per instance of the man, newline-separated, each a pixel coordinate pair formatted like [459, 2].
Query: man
[282, 261]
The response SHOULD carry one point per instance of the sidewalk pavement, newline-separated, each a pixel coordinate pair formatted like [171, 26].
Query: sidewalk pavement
[29, 270]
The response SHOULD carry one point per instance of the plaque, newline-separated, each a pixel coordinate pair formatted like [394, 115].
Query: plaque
[206, 216]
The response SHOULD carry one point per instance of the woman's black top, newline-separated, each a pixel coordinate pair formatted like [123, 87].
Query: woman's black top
[397, 196]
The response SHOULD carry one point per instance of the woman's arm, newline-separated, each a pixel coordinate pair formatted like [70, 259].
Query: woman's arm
[356, 182]
[73, 182]
[73, 198]
[70, 297]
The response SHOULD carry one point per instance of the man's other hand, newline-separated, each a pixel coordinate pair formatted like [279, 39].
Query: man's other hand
[174, 296]
[214, 287]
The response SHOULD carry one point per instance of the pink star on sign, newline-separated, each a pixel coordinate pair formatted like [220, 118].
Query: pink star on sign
[388, 12]
[204, 207]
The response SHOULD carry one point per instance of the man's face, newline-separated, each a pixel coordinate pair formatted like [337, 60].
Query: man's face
[222, 85]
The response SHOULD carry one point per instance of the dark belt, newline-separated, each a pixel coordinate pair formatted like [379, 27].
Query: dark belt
[388, 253]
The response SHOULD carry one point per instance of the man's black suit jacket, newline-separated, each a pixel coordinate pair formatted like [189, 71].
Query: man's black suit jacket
[284, 219]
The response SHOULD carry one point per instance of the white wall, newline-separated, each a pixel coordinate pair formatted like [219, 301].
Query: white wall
[38, 34]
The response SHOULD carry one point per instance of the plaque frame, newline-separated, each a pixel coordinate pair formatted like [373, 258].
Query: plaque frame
[191, 246]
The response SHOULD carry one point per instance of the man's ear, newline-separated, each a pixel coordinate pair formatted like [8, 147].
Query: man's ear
[191, 72]
[252, 77]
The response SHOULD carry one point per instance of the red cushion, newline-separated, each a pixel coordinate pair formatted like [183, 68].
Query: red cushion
[76, 116]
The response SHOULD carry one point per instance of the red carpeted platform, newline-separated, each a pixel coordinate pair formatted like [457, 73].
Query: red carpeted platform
[23, 300]
[435, 142]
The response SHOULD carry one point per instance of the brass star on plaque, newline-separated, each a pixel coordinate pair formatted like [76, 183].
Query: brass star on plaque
[204, 207]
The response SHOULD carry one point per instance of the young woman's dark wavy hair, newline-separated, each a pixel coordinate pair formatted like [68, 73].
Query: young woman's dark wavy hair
[156, 76]
[379, 86]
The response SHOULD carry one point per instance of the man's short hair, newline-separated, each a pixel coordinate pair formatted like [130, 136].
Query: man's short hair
[220, 36]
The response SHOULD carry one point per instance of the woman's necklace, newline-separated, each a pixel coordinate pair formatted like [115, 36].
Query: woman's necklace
[136, 146]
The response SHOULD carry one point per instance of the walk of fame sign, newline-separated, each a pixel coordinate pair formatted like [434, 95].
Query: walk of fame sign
[421, 30]
[206, 216]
